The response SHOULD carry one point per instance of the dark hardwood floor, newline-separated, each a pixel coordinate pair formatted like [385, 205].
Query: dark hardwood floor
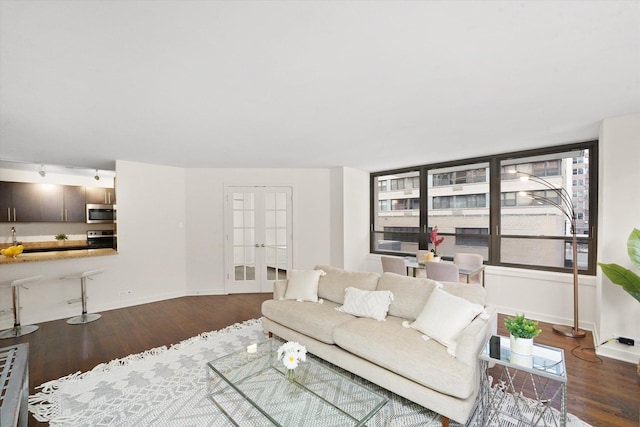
[602, 392]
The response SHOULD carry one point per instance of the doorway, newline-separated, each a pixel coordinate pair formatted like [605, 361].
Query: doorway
[258, 237]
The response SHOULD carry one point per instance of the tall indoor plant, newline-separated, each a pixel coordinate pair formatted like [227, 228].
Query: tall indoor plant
[624, 277]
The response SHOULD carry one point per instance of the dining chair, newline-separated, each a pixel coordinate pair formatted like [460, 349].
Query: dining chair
[393, 264]
[470, 262]
[444, 271]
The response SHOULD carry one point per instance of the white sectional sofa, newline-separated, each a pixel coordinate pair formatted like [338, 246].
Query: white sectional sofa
[440, 373]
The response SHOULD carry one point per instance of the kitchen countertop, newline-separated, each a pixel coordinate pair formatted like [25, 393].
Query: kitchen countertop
[51, 244]
[55, 255]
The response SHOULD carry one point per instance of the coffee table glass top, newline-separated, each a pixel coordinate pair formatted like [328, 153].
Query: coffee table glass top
[546, 361]
[251, 390]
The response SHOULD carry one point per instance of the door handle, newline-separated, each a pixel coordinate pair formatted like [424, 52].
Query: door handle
[257, 245]
[262, 245]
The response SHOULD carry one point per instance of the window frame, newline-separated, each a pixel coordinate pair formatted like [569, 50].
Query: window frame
[495, 203]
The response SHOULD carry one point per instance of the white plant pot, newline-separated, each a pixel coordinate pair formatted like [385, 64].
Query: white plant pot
[522, 351]
[518, 359]
[522, 346]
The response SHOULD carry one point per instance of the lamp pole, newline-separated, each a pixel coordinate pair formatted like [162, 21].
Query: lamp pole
[566, 207]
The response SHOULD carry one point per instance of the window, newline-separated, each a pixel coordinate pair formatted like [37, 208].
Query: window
[458, 199]
[473, 237]
[460, 202]
[485, 206]
[539, 234]
[467, 176]
[397, 217]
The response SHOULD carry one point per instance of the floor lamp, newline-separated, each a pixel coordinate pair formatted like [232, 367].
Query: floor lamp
[565, 205]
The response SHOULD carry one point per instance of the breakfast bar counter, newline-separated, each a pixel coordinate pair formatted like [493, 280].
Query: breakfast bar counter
[55, 255]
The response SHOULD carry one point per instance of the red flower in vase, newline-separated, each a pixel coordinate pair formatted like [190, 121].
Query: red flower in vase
[435, 240]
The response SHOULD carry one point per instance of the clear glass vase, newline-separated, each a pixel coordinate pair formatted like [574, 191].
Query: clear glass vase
[291, 375]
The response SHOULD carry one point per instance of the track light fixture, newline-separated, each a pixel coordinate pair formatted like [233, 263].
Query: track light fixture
[97, 177]
[42, 171]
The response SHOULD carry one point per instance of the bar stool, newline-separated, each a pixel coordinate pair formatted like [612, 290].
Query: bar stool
[84, 317]
[18, 330]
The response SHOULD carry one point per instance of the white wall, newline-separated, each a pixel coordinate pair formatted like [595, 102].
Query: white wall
[541, 295]
[349, 218]
[205, 214]
[619, 209]
[150, 262]
[337, 217]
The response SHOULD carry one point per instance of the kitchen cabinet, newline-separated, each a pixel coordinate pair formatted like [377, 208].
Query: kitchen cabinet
[6, 201]
[100, 195]
[51, 203]
[20, 202]
[30, 202]
[74, 204]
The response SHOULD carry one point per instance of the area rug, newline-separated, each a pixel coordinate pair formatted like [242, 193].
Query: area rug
[167, 387]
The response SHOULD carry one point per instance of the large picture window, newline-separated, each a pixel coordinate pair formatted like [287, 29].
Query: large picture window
[487, 206]
[397, 212]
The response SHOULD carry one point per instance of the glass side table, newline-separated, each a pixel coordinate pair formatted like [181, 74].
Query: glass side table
[527, 389]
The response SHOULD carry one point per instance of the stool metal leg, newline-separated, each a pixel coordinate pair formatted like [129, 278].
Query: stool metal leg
[18, 330]
[84, 317]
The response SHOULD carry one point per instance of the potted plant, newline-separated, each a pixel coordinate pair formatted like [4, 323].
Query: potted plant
[522, 331]
[624, 277]
[61, 238]
[436, 242]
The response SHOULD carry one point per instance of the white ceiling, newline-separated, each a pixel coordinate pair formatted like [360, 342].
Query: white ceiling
[368, 85]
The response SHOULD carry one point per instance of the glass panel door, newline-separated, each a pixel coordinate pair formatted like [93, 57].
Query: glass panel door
[276, 231]
[244, 236]
[258, 237]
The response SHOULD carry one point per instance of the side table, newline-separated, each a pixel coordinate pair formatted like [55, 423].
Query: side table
[528, 389]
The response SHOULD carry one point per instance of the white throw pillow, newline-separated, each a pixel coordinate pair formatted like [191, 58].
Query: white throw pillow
[302, 285]
[373, 304]
[444, 316]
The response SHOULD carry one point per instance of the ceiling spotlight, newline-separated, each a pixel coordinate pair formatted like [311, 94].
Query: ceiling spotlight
[42, 171]
[97, 177]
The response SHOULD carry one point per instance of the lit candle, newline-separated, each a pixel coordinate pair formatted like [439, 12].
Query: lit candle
[252, 348]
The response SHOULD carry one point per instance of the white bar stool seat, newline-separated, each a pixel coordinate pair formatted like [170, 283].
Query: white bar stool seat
[18, 330]
[84, 317]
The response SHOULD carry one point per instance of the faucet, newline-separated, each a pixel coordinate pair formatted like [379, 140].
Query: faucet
[13, 236]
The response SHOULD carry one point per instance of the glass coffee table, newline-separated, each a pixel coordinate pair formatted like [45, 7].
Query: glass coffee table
[251, 390]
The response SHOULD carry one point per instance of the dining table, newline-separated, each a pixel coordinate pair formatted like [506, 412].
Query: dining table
[413, 264]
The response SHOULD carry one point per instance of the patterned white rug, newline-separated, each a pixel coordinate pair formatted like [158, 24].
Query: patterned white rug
[167, 387]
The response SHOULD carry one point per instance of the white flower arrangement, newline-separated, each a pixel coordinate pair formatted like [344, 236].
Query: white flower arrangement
[291, 353]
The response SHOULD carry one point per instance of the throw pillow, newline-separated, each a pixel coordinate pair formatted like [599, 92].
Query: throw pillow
[303, 285]
[372, 304]
[445, 316]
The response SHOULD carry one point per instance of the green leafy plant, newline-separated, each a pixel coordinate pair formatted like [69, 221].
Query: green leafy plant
[520, 327]
[624, 277]
[61, 236]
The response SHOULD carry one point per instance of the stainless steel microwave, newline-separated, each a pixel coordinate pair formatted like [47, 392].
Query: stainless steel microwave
[100, 214]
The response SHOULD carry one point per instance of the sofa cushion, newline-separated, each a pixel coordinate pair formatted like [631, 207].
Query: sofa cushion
[405, 352]
[303, 285]
[332, 286]
[410, 294]
[472, 292]
[445, 316]
[309, 318]
[372, 304]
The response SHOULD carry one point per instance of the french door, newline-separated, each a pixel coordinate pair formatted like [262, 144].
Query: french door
[258, 237]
